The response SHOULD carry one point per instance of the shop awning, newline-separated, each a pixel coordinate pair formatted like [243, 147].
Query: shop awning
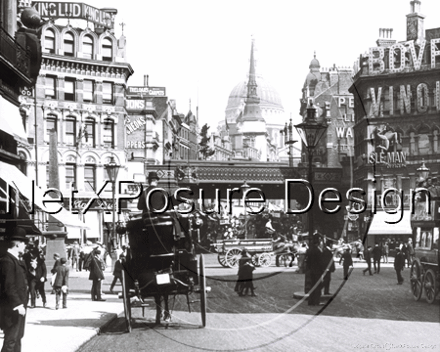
[11, 121]
[15, 178]
[380, 227]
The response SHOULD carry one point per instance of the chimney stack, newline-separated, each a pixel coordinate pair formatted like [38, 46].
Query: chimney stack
[385, 35]
[414, 23]
[146, 81]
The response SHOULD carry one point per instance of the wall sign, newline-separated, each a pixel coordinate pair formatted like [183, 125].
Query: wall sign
[139, 92]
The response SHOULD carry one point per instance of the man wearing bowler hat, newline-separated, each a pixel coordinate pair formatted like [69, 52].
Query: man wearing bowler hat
[13, 292]
[156, 200]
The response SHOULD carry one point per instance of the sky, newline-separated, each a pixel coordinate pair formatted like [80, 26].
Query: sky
[199, 50]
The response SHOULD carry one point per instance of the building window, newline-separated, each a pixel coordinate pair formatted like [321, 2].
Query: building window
[87, 47]
[51, 124]
[108, 133]
[49, 41]
[69, 89]
[68, 44]
[89, 178]
[107, 92]
[50, 87]
[88, 90]
[70, 130]
[70, 175]
[90, 132]
[107, 51]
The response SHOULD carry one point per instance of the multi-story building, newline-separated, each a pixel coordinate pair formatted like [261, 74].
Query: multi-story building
[328, 88]
[397, 102]
[80, 94]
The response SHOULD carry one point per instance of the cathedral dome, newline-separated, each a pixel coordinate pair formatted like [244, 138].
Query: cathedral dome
[314, 64]
[269, 98]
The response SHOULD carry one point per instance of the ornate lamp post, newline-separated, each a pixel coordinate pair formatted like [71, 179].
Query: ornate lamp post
[288, 140]
[112, 170]
[245, 187]
[310, 132]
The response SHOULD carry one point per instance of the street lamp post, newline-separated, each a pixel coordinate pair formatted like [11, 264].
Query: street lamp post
[112, 172]
[245, 187]
[310, 132]
[288, 140]
[423, 171]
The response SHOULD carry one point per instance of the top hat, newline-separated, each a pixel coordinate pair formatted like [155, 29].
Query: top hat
[19, 234]
[152, 175]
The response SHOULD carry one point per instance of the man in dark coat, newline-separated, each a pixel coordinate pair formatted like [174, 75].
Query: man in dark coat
[329, 266]
[377, 255]
[367, 256]
[96, 275]
[14, 292]
[315, 268]
[36, 273]
[348, 261]
[399, 264]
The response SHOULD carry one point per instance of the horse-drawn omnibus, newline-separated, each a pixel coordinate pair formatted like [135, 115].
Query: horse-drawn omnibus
[425, 224]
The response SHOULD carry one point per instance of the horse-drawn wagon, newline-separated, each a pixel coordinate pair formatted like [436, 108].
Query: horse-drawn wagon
[425, 273]
[161, 262]
[262, 250]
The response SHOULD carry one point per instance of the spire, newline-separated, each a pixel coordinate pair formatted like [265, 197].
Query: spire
[252, 83]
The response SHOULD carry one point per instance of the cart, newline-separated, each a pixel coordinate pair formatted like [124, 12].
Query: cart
[161, 262]
[424, 274]
[261, 249]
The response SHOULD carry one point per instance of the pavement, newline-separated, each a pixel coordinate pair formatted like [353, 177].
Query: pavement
[66, 330]
[48, 329]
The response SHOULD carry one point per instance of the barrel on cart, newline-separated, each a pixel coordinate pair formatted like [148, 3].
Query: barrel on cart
[161, 262]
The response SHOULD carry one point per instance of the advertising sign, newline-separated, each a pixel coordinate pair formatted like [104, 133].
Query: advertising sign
[73, 10]
[137, 92]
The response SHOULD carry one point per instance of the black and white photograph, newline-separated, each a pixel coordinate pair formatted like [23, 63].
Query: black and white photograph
[228, 176]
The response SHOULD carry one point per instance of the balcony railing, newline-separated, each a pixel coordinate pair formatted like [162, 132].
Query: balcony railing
[14, 53]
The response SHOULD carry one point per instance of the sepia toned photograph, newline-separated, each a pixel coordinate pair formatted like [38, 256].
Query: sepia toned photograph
[219, 176]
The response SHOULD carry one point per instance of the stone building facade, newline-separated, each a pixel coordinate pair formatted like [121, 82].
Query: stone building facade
[397, 102]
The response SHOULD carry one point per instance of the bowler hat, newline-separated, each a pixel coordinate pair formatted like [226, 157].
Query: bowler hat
[19, 234]
[152, 175]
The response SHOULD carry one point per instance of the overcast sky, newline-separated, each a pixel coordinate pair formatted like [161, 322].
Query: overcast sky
[199, 49]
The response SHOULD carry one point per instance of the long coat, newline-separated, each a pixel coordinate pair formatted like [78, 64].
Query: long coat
[399, 262]
[62, 278]
[13, 289]
[96, 268]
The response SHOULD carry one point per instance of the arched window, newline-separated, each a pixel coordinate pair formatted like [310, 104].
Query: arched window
[69, 46]
[108, 133]
[107, 51]
[22, 164]
[70, 130]
[90, 132]
[49, 41]
[90, 175]
[87, 47]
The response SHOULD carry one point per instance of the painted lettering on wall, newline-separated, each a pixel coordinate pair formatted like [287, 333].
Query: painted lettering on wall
[134, 125]
[344, 132]
[135, 104]
[136, 144]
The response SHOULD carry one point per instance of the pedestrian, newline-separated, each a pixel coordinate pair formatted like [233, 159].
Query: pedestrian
[245, 257]
[399, 264]
[56, 257]
[36, 273]
[74, 255]
[314, 264]
[117, 272]
[385, 252]
[367, 256]
[97, 266]
[405, 251]
[247, 279]
[61, 283]
[411, 251]
[14, 293]
[347, 262]
[81, 258]
[329, 264]
[377, 255]
[302, 250]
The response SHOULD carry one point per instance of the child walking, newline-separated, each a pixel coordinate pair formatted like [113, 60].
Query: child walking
[61, 283]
